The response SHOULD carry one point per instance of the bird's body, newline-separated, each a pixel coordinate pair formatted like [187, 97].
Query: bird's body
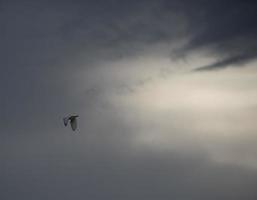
[73, 121]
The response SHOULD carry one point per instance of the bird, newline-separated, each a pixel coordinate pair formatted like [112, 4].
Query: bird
[73, 121]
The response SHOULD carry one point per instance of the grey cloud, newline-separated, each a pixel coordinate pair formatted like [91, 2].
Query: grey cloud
[227, 28]
[115, 29]
[237, 60]
[78, 174]
[48, 52]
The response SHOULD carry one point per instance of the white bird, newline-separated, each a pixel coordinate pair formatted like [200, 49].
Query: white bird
[73, 121]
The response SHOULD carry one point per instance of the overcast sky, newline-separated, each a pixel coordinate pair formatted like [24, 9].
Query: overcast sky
[165, 90]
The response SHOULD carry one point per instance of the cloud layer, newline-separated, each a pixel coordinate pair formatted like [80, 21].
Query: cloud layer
[149, 128]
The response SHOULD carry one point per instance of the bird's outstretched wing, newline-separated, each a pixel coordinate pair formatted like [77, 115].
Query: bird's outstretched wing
[65, 121]
[73, 123]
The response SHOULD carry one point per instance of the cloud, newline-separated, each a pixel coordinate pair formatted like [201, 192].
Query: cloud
[237, 60]
[227, 29]
[117, 64]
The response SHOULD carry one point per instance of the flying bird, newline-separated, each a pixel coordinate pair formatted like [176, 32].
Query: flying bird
[73, 121]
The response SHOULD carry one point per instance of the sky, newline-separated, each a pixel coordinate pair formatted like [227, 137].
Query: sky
[165, 90]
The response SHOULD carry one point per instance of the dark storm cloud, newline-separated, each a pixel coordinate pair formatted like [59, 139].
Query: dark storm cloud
[46, 45]
[227, 28]
[113, 29]
[43, 44]
[236, 60]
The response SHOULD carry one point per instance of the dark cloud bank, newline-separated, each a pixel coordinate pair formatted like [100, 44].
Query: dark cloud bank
[45, 44]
